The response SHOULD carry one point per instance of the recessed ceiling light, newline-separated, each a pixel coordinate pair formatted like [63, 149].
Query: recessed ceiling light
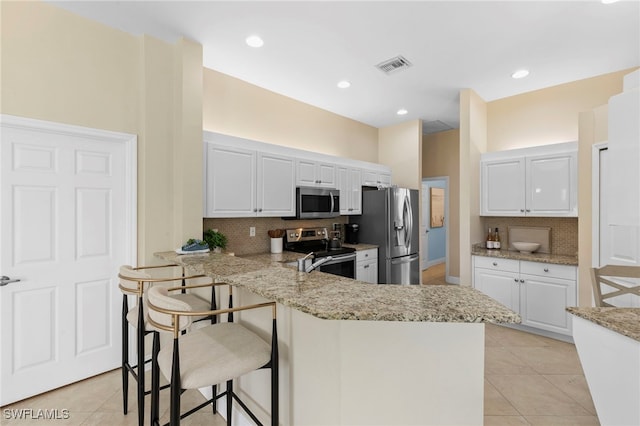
[520, 74]
[254, 41]
[402, 111]
[344, 84]
[608, 1]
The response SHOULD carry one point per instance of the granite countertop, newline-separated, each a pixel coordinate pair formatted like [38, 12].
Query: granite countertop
[337, 298]
[478, 250]
[625, 321]
[360, 246]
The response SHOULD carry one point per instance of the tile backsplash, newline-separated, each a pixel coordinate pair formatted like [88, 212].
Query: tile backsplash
[237, 230]
[564, 230]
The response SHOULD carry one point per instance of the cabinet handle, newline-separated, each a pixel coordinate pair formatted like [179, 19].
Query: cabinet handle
[366, 255]
[260, 210]
[528, 210]
[521, 210]
[546, 269]
[366, 266]
[255, 210]
[522, 281]
[515, 279]
[495, 263]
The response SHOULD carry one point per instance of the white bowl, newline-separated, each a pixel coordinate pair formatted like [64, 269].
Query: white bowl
[524, 247]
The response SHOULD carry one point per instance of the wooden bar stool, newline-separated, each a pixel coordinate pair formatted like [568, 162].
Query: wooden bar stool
[605, 276]
[136, 282]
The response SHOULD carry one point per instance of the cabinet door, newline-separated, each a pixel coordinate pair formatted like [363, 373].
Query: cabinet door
[231, 182]
[355, 200]
[342, 174]
[501, 286]
[276, 186]
[384, 179]
[502, 187]
[349, 184]
[306, 173]
[543, 301]
[375, 178]
[326, 175]
[551, 185]
[367, 271]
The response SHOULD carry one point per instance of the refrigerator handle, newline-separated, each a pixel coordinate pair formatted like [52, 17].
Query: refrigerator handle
[408, 220]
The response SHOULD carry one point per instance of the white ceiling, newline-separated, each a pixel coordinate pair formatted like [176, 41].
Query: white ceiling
[453, 45]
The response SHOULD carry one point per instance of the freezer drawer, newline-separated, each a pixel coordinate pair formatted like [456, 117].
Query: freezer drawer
[404, 270]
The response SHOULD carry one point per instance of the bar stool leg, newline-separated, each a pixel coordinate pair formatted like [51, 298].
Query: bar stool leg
[125, 356]
[140, 365]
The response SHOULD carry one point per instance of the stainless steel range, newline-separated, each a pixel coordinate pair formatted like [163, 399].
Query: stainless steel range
[317, 241]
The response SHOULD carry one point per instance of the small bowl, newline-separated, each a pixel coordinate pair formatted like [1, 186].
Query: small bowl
[526, 248]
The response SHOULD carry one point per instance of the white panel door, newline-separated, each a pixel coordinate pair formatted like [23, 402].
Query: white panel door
[619, 244]
[67, 218]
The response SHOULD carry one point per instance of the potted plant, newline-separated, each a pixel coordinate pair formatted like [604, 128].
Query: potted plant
[216, 240]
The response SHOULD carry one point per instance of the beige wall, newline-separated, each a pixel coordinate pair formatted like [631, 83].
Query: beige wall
[473, 142]
[237, 108]
[59, 67]
[593, 127]
[400, 147]
[441, 157]
[548, 115]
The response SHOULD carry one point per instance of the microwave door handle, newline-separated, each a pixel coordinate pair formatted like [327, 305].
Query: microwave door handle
[332, 201]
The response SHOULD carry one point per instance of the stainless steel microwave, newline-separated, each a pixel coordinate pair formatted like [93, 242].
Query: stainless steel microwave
[317, 203]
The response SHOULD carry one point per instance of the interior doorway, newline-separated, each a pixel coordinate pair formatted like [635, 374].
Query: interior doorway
[434, 230]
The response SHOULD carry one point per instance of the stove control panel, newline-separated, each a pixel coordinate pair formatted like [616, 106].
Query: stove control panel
[306, 234]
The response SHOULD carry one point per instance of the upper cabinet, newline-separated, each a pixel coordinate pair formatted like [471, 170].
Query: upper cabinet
[245, 178]
[315, 173]
[378, 178]
[245, 183]
[624, 154]
[349, 181]
[539, 181]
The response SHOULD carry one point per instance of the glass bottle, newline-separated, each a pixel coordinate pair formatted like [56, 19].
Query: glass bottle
[489, 241]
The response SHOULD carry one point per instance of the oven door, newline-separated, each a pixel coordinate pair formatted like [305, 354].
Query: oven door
[343, 265]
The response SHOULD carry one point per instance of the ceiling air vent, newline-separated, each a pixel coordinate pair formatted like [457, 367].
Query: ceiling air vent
[393, 65]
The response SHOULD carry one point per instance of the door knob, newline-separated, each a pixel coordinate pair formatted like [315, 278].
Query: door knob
[4, 280]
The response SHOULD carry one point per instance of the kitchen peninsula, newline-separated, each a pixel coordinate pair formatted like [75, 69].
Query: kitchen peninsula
[353, 353]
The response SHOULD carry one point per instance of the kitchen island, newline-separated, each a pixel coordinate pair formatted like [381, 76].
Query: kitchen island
[353, 353]
[608, 344]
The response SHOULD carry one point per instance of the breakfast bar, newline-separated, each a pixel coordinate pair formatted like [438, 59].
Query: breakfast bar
[353, 353]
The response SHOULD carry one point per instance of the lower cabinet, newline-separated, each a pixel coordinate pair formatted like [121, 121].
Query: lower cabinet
[367, 266]
[538, 291]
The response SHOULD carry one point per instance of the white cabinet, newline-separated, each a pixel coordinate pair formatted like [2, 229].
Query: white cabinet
[624, 154]
[350, 186]
[538, 291]
[376, 178]
[540, 181]
[367, 266]
[242, 183]
[246, 178]
[315, 173]
[276, 192]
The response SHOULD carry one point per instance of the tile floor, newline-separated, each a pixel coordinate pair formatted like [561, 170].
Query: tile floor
[529, 380]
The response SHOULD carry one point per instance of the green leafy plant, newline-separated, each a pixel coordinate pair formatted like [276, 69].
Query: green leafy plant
[214, 239]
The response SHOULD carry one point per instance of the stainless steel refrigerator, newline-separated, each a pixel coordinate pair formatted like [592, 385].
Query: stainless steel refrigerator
[390, 220]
